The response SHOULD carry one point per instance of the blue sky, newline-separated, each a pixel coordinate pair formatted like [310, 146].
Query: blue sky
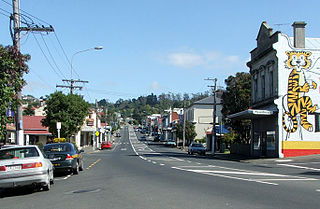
[149, 46]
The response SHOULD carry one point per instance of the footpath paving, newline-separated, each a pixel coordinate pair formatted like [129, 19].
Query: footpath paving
[246, 159]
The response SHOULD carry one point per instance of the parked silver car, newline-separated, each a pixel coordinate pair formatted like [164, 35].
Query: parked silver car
[196, 148]
[23, 166]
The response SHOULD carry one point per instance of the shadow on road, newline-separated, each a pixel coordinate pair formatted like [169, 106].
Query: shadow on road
[19, 191]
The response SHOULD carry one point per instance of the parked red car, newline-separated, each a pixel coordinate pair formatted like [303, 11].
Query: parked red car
[106, 145]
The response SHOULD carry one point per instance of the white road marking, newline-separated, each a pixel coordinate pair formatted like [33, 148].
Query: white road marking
[177, 159]
[301, 167]
[225, 176]
[283, 161]
[123, 149]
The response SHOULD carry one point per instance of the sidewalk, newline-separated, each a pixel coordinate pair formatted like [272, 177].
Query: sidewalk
[248, 159]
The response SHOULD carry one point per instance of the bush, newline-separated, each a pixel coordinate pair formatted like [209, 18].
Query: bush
[39, 144]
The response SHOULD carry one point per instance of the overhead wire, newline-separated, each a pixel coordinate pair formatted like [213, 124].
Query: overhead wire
[6, 2]
[64, 52]
[27, 19]
[46, 56]
[8, 13]
[55, 63]
[4, 14]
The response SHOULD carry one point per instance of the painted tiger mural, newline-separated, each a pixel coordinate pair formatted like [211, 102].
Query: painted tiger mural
[297, 102]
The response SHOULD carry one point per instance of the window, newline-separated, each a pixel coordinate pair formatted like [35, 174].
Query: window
[271, 142]
[270, 70]
[263, 86]
[16, 153]
[255, 88]
[317, 122]
[256, 141]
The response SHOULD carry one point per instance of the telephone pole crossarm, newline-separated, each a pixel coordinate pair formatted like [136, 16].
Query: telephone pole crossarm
[42, 29]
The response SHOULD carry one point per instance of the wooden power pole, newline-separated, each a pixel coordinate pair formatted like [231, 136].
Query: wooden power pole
[16, 43]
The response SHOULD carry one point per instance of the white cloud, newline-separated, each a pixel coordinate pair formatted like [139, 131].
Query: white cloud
[207, 60]
[155, 85]
[233, 59]
[185, 60]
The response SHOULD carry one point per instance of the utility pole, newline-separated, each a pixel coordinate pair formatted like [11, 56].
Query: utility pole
[72, 86]
[16, 43]
[184, 125]
[213, 132]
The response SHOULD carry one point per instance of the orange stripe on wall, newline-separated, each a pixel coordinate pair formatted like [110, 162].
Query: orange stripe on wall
[304, 145]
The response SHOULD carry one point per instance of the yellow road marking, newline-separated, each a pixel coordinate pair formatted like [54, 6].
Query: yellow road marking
[93, 164]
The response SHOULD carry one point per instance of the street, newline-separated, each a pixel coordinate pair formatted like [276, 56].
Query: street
[136, 174]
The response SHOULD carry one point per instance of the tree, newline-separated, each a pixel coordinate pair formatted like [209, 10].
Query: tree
[190, 132]
[70, 110]
[29, 110]
[236, 98]
[12, 66]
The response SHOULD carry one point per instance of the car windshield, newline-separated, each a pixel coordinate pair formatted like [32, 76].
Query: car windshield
[197, 145]
[16, 153]
[57, 148]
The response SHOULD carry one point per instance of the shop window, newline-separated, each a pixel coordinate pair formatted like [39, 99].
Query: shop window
[271, 142]
[317, 122]
[256, 141]
[263, 86]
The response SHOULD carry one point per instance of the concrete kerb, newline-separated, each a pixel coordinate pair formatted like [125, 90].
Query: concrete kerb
[256, 160]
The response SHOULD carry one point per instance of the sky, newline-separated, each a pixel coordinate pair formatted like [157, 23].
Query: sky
[149, 46]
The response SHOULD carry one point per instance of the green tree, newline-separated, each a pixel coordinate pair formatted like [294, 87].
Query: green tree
[190, 132]
[12, 66]
[236, 98]
[70, 110]
[29, 110]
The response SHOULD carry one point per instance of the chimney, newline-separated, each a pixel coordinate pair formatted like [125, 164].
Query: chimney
[299, 34]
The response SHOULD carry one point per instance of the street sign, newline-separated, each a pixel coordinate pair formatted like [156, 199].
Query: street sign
[97, 133]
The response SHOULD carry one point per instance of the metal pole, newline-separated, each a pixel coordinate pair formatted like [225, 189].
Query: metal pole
[184, 125]
[71, 80]
[16, 44]
[214, 117]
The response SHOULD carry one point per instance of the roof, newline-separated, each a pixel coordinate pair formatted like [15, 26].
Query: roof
[32, 125]
[254, 113]
[310, 43]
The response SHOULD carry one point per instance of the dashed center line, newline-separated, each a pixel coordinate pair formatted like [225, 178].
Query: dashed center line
[93, 164]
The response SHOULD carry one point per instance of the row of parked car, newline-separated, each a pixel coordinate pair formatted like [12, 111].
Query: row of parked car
[33, 166]
[194, 148]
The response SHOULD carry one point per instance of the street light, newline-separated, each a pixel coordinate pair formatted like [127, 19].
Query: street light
[94, 48]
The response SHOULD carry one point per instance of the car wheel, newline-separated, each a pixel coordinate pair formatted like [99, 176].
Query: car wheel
[76, 170]
[47, 186]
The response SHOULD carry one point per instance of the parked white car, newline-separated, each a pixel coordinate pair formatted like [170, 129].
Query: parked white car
[23, 166]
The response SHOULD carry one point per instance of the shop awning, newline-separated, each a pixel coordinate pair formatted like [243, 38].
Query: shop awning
[220, 129]
[254, 113]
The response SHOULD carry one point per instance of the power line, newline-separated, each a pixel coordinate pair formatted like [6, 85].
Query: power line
[4, 14]
[5, 11]
[27, 13]
[45, 56]
[65, 55]
[52, 57]
[7, 3]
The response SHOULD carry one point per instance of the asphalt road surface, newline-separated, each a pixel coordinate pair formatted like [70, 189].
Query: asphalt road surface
[146, 175]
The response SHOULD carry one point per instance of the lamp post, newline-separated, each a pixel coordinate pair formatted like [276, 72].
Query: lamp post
[71, 80]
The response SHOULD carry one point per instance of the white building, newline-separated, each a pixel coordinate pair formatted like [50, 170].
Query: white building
[285, 93]
[200, 114]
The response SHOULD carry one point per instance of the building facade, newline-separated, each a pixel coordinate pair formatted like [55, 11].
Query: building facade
[285, 93]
